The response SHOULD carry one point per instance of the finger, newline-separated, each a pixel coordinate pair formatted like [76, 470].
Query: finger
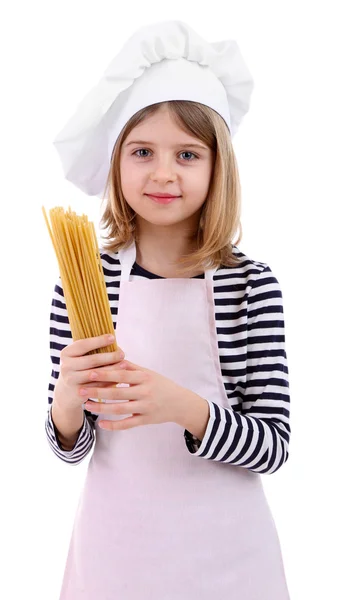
[91, 378]
[82, 347]
[93, 384]
[99, 359]
[109, 393]
[120, 375]
[127, 423]
[132, 407]
[107, 368]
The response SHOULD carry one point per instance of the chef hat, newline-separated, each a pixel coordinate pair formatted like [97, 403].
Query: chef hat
[162, 61]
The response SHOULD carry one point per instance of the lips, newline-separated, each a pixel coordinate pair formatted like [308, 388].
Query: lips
[164, 199]
[159, 195]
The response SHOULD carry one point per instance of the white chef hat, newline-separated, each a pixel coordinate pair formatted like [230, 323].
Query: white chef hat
[162, 61]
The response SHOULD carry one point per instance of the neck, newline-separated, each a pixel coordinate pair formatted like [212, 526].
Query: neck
[162, 253]
[162, 247]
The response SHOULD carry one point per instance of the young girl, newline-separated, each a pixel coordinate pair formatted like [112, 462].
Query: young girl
[173, 506]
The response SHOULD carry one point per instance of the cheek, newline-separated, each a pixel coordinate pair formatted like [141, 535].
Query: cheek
[206, 179]
[128, 181]
[131, 178]
[199, 182]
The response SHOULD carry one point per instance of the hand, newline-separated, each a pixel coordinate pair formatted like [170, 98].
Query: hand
[151, 397]
[76, 365]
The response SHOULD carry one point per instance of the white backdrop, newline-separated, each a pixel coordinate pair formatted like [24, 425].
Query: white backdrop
[52, 53]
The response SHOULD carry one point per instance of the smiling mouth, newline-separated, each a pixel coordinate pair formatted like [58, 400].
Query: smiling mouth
[159, 195]
[162, 199]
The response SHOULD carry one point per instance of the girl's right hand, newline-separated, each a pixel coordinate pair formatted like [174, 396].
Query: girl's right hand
[75, 368]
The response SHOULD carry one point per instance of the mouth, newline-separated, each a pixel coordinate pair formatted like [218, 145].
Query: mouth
[162, 198]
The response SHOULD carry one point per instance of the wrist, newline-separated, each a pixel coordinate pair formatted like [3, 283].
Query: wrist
[63, 405]
[64, 402]
[68, 422]
[193, 414]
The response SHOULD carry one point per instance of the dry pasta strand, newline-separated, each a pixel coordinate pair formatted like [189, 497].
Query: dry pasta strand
[78, 256]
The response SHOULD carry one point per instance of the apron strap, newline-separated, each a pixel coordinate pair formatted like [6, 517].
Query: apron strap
[209, 273]
[127, 258]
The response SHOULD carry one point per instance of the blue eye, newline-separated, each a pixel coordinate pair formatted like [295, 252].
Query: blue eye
[191, 154]
[141, 150]
[185, 152]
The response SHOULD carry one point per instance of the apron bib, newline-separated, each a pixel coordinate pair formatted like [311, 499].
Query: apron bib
[155, 522]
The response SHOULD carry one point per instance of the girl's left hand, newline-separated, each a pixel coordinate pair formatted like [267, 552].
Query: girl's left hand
[152, 398]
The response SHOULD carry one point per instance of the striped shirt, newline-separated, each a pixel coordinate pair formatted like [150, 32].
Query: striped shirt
[254, 434]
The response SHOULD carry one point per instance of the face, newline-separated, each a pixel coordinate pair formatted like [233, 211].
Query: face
[159, 157]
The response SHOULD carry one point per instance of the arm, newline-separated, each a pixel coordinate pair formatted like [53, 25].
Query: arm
[78, 431]
[257, 436]
[67, 423]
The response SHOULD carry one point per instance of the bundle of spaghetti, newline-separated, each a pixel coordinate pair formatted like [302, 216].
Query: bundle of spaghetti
[82, 276]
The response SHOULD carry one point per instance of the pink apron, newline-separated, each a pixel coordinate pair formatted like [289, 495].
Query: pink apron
[155, 522]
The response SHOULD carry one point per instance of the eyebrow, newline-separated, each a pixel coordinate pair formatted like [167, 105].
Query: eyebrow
[146, 143]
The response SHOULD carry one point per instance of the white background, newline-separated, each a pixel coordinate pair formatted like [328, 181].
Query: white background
[52, 53]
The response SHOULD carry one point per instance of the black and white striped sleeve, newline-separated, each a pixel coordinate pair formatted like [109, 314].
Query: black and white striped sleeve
[59, 337]
[256, 437]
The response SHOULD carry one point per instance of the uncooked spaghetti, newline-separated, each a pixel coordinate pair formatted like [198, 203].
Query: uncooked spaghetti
[82, 276]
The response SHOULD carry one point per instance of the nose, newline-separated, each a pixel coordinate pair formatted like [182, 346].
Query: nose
[163, 170]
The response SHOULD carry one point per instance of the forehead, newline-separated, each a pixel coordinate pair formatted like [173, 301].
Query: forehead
[161, 129]
[162, 119]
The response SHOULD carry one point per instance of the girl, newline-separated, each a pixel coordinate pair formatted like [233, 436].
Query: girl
[173, 506]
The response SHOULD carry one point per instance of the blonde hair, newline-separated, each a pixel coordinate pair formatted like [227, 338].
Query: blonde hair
[220, 216]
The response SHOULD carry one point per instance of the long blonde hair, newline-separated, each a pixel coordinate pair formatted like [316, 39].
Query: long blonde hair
[220, 215]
